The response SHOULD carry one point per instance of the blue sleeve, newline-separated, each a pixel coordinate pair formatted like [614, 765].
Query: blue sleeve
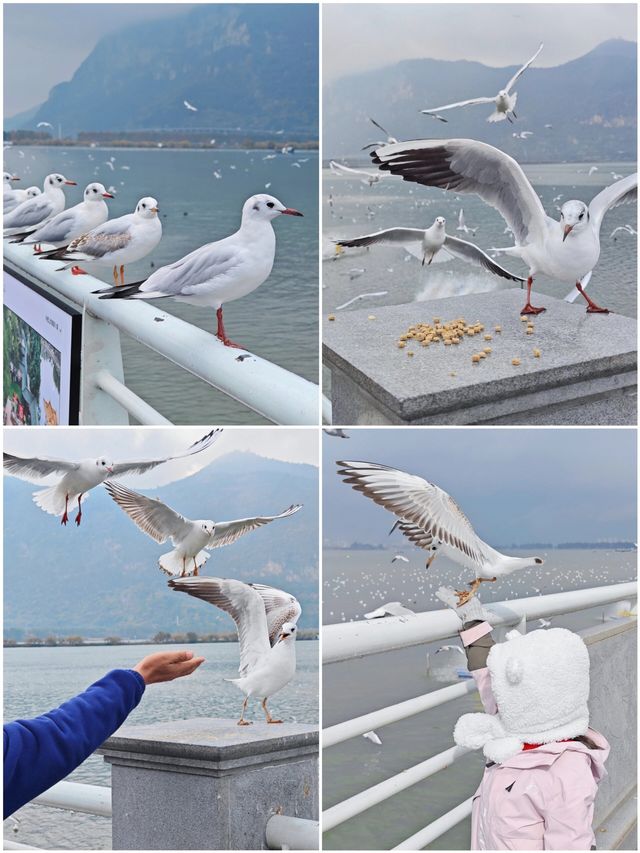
[40, 752]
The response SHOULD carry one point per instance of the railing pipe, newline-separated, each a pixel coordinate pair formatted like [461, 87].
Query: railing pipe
[136, 406]
[15, 845]
[292, 833]
[77, 797]
[369, 637]
[436, 828]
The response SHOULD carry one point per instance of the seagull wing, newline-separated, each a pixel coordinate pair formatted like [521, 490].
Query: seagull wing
[414, 533]
[339, 169]
[424, 504]
[468, 166]
[227, 532]
[140, 467]
[30, 212]
[379, 126]
[523, 69]
[154, 518]
[472, 254]
[622, 192]
[57, 230]
[279, 606]
[199, 271]
[469, 103]
[35, 469]
[245, 606]
[113, 235]
[409, 238]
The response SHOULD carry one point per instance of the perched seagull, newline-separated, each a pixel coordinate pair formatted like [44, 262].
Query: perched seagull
[78, 478]
[72, 222]
[567, 250]
[392, 608]
[336, 433]
[391, 140]
[266, 621]
[18, 196]
[373, 737]
[425, 244]
[10, 198]
[369, 178]
[190, 107]
[430, 518]
[627, 229]
[117, 242]
[505, 103]
[191, 539]
[400, 557]
[218, 272]
[35, 211]
[462, 225]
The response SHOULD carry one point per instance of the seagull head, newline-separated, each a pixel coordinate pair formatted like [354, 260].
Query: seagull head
[207, 526]
[104, 464]
[147, 207]
[288, 630]
[7, 177]
[265, 207]
[95, 192]
[56, 181]
[440, 221]
[32, 192]
[574, 216]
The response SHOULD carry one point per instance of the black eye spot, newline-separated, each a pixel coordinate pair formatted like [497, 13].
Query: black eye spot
[102, 463]
[144, 205]
[270, 204]
[581, 215]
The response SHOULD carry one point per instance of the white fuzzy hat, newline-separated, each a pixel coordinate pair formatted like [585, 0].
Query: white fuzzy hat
[541, 686]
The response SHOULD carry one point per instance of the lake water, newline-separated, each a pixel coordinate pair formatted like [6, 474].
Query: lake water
[356, 582]
[279, 321]
[37, 679]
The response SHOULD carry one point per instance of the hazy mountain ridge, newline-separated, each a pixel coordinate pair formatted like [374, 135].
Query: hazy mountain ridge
[590, 101]
[54, 584]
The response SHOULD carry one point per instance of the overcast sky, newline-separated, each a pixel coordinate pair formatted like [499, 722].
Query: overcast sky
[360, 37]
[290, 445]
[515, 485]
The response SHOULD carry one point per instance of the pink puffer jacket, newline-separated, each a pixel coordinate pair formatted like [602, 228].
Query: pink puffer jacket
[542, 798]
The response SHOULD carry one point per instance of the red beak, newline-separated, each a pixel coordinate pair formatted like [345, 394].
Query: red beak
[107, 195]
[15, 178]
[291, 212]
[567, 230]
[71, 183]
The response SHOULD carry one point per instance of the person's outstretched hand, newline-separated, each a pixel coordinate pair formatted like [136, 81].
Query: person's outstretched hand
[165, 666]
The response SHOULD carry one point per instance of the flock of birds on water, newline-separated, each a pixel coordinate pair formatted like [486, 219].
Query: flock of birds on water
[265, 617]
[566, 250]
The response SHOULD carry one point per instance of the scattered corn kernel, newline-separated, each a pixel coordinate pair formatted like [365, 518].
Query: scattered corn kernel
[401, 345]
[515, 362]
[536, 353]
[482, 354]
[498, 329]
[331, 317]
[488, 350]
[524, 318]
[488, 337]
[371, 317]
[410, 353]
[529, 331]
[475, 358]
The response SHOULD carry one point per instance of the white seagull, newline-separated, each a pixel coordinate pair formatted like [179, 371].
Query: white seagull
[336, 433]
[427, 244]
[626, 229]
[392, 608]
[390, 140]
[567, 250]
[505, 103]
[430, 518]
[78, 478]
[373, 737]
[218, 272]
[10, 198]
[18, 196]
[34, 211]
[400, 557]
[190, 107]
[266, 621]
[369, 178]
[462, 225]
[191, 539]
[72, 222]
[119, 241]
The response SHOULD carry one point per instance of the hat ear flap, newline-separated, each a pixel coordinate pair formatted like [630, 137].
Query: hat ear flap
[514, 670]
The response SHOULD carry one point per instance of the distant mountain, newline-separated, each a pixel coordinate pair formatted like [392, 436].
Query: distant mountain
[102, 578]
[23, 119]
[253, 66]
[590, 101]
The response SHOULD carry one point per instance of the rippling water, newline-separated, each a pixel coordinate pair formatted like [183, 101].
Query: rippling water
[37, 679]
[279, 321]
[356, 582]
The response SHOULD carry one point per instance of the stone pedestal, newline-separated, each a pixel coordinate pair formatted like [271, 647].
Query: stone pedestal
[208, 784]
[586, 372]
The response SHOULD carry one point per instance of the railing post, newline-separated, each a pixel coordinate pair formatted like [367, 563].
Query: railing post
[208, 784]
[100, 351]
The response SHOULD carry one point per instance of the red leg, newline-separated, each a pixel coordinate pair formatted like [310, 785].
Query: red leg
[79, 515]
[65, 516]
[36, 249]
[77, 271]
[122, 274]
[529, 308]
[221, 334]
[592, 308]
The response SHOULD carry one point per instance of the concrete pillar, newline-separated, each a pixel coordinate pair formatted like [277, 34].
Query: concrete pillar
[208, 784]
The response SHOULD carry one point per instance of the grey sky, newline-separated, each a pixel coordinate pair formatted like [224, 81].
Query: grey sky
[360, 37]
[290, 445]
[515, 485]
[63, 35]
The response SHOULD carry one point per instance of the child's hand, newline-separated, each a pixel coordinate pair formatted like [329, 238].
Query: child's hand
[472, 611]
[165, 666]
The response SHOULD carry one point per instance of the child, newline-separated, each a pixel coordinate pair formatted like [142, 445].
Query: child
[544, 762]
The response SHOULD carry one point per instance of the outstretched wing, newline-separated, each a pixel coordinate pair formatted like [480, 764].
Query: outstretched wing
[227, 532]
[424, 504]
[474, 255]
[279, 606]
[245, 606]
[622, 192]
[407, 237]
[141, 466]
[523, 69]
[35, 469]
[414, 533]
[154, 518]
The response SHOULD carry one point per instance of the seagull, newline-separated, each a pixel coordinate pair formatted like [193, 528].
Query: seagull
[190, 107]
[391, 140]
[592, 170]
[266, 621]
[392, 608]
[505, 103]
[400, 557]
[462, 225]
[191, 539]
[11, 198]
[627, 229]
[117, 242]
[544, 623]
[45, 124]
[373, 737]
[78, 478]
[369, 178]
[336, 433]
[430, 518]
[449, 649]
[525, 134]
[34, 211]
[218, 272]
[425, 244]
[360, 296]
[72, 222]
[567, 250]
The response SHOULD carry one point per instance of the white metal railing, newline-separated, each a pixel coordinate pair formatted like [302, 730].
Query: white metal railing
[279, 395]
[357, 639]
[77, 797]
[292, 833]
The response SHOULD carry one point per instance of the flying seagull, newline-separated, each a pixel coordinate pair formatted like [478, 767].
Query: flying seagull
[390, 140]
[505, 103]
[401, 558]
[431, 519]
[266, 621]
[78, 478]
[392, 608]
[364, 177]
[336, 432]
[190, 107]
[567, 250]
[191, 539]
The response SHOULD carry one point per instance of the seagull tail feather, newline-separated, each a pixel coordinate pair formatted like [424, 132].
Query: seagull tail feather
[171, 563]
[52, 500]
[123, 291]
